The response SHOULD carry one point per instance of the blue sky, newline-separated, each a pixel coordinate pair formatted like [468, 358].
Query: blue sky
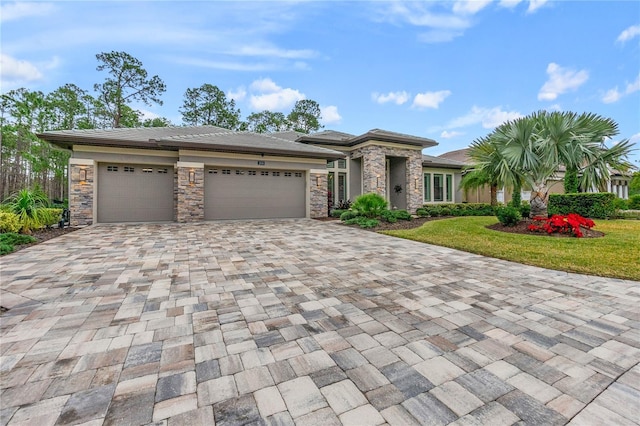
[450, 71]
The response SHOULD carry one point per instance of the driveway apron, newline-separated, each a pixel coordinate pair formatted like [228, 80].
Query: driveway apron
[305, 322]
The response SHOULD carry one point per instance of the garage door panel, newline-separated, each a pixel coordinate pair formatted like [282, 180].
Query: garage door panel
[250, 194]
[135, 193]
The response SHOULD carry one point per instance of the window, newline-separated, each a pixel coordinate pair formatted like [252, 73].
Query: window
[129, 169]
[438, 184]
[298, 174]
[164, 171]
[112, 168]
[330, 164]
[213, 171]
[287, 174]
[342, 186]
[427, 187]
[226, 172]
[263, 173]
[276, 173]
[147, 170]
[342, 163]
[251, 172]
[438, 187]
[239, 172]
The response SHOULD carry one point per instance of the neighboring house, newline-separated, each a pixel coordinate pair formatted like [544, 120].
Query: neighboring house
[618, 183]
[188, 174]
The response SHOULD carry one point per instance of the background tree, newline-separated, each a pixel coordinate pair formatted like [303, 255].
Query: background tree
[156, 122]
[207, 105]
[267, 122]
[305, 116]
[634, 184]
[127, 82]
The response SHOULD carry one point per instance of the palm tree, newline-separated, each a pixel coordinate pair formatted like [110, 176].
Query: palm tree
[537, 145]
[490, 168]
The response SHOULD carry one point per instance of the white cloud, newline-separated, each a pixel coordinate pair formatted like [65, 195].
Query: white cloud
[635, 138]
[14, 72]
[272, 52]
[535, 5]
[330, 114]
[509, 4]
[272, 97]
[489, 118]
[561, 80]
[396, 97]
[450, 134]
[238, 95]
[614, 95]
[470, 7]
[14, 11]
[430, 99]
[629, 33]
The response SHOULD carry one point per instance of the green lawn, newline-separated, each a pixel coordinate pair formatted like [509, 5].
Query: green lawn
[617, 254]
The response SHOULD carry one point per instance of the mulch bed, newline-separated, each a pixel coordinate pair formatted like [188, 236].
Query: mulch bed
[42, 235]
[520, 228]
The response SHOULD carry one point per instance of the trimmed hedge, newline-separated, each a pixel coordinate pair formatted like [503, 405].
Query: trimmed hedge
[634, 202]
[337, 212]
[597, 205]
[508, 215]
[458, 209]
[9, 222]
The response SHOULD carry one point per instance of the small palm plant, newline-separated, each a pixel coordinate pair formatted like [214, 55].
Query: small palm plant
[369, 205]
[28, 205]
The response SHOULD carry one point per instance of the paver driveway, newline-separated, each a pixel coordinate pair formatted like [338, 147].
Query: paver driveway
[306, 322]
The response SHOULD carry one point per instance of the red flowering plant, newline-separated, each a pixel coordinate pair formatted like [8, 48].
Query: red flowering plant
[563, 224]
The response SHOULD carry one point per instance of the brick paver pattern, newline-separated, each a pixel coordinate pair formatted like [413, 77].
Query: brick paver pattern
[306, 322]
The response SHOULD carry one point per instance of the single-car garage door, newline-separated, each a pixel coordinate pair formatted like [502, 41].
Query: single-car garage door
[254, 194]
[134, 193]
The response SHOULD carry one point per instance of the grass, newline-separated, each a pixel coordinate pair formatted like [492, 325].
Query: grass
[614, 255]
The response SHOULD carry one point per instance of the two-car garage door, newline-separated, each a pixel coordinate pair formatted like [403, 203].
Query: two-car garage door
[232, 193]
[144, 193]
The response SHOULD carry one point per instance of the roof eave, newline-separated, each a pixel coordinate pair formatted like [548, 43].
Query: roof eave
[245, 150]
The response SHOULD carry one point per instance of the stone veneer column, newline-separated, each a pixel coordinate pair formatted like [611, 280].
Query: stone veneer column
[374, 170]
[81, 192]
[415, 181]
[190, 200]
[318, 203]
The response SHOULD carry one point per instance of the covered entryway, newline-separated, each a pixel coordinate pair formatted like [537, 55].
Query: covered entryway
[135, 193]
[234, 193]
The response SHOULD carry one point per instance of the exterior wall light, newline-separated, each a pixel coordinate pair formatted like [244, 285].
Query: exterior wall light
[318, 181]
[192, 176]
[83, 174]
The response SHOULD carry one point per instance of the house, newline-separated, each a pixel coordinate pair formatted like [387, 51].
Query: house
[188, 174]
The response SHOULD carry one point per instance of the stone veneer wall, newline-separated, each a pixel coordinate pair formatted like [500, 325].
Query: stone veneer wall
[81, 195]
[190, 203]
[374, 171]
[318, 206]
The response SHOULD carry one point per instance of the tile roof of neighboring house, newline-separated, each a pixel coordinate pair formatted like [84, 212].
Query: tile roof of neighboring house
[431, 161]
[460, 155]
[331, 137]
[207, 138]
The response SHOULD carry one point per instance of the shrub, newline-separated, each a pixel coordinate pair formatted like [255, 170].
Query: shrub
[363, 222]
[634, 202]
[563, 224]
[525, 209]
[26, 204]
[620, 204]
[369, 205]
[9, 222]
[388, 216]
[594, 205]
[49, 217]
[422, 212]
[508, 215]
[402, 215]
[457, 209]
[628, 214]
[9, 240]
[348, 215]
[336, 212]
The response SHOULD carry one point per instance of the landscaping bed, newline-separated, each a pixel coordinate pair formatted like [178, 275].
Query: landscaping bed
[523, 228]
[44, 234]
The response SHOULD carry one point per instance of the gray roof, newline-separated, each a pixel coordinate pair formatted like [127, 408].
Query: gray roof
[460, 155]
[331, 137]
[431, 161]
[206, 138]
